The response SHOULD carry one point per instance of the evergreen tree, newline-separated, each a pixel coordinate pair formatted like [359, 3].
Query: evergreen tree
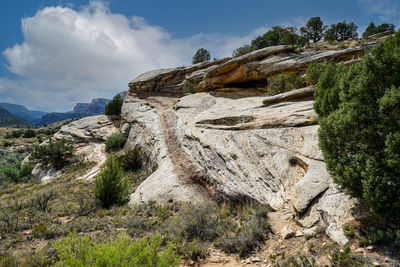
[114, 106]
[314, 29]
[202, 55]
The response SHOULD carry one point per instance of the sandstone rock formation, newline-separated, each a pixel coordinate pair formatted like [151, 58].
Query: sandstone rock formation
[224, 145]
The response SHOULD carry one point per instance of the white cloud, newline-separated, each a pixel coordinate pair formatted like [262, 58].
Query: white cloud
[385, 9]
[74, 55]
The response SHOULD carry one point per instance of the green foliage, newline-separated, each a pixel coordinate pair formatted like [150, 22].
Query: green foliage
[341, 31]
[111, 186]
[344, 257]
[314, 29]
[372, 29]
[57, 154]
[114, 106]
[115, 142]
[202, 55]
[243, 50]
[196, 222]
[299, 260]
[10, 163]
[131, 160]
[374, 236]
[248, 237]
[189, 87]
[283, 83]
[25, 171]
[360, 126]
[314, 71]
[81, 251]
[41, 200]
[15, 134]
[328, 88]
[29, 133]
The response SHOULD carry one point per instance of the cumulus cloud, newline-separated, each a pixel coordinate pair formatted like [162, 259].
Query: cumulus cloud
[385, 9]
[71, 55]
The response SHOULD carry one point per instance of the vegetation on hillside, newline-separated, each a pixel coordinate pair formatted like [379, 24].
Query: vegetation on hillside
[201, 55]
[359, 119]
[114, 106]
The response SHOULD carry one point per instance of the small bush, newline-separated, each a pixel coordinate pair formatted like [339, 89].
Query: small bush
[57, 154]
[81, 251]
[344, 257]
[115, 142]
[114, 106]
[41, 200]
[202, 55]
[111, 187]
[189, 87]
[283, 83]
[313, 72]
[131, 161]
[196, 222]
[29, 133]
[249, 236]
[25, 171]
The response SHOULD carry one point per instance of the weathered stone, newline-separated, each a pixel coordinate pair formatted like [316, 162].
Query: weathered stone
[254, 68]
[336, 234]
[287, 232]
[170, 81]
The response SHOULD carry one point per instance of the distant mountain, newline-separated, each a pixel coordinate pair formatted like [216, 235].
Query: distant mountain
[58, 116]
[96, 106]
[7, 119]
[22, 111]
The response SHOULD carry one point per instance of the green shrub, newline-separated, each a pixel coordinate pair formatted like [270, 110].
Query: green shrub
[131, 160]
[283, 83]
[58, 154]
[249, 236]
[41, 200]
[25, 171]
[359, 131]
[243, 50]
[115, 142]
[29, 133]
[15, 134]
[314, 71]
[299, 260]
[114, 106]
[81, 251]
[111, 187]
[189, 87]
[344, 257]
[196, 222]
[202, 55]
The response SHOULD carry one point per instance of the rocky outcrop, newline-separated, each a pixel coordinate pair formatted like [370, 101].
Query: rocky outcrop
[89, 135]
[255, 148]
[253, 69]
[168, 82]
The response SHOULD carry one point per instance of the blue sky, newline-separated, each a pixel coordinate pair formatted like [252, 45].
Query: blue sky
[56, 53]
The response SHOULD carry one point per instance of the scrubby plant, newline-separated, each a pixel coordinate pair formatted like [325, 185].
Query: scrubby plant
[283, 83]
[189, 87]
[114, 106]
[111, 187]
[344, 257]
[29, 133]
[248, 237]
[81, 251]
[359, 132]
[115, 142]
[314, 29]
[372, 29]
[341, 31]
[56, 154]
[201, 55]
[243, 50]
[314, 71]
[196, 222]
[131, 160]
[25, 171]
[42, 199]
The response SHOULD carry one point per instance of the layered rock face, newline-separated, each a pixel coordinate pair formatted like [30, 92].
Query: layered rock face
[224, 145]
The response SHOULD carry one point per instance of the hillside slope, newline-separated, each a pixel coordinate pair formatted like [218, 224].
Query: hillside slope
[9, 120]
